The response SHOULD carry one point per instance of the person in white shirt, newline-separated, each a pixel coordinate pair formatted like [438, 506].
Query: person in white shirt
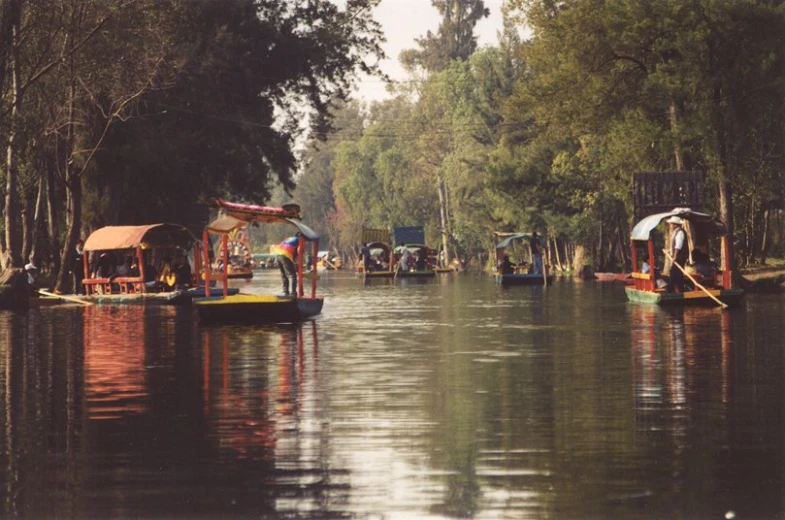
[679, 252]
[404, 257]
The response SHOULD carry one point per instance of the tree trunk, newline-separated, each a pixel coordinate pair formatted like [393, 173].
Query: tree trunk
[674, 121]
[73, 218]
[51, 215]
[764, 239]
[444, 218]
[37, 229]
[12, 175]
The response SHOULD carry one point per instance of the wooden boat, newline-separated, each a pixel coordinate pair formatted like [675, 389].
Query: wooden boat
[612, 277]
[413, 270]
[381, 262]
[236, 272]
[520, 274]
[257, 308]
[240, 257]
[648, 287]
[147, 245]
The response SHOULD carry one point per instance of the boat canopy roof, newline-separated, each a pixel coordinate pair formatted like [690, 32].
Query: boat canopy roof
[225, 224]
[254, 213]
[509, 238]
[379, 245]
[703, 223]
[236, 215]
[371, 235]
[146, 237]
[412, 247]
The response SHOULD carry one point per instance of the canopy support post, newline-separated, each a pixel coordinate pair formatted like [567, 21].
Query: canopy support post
[207, 266]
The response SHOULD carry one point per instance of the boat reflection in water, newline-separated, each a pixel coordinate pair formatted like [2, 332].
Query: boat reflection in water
[688, 389]
[133, 411]
[678, 355]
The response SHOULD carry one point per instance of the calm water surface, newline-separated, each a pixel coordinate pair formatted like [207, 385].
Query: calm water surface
[451, 398]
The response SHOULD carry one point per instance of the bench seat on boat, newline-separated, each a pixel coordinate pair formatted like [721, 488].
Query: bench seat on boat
[117, 285]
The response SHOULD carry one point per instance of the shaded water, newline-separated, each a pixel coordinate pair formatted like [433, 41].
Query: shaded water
[450, 398]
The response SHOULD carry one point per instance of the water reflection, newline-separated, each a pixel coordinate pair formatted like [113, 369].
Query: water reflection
[437, 400]
[677, 356]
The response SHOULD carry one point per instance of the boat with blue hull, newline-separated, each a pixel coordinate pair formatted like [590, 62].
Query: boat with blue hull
[508, 273]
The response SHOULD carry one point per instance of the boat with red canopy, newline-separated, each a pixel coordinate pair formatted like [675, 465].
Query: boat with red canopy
[257, 308]
[143, 246]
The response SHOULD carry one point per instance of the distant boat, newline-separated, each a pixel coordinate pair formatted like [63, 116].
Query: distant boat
[516, 274]
[379, 262]
[419, 265]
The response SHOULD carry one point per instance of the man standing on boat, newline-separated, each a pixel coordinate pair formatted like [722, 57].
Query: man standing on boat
[534, 244]
[679, 254]
[286, 253]
[77, 267]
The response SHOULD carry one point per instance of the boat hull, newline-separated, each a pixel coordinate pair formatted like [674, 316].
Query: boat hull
[611, 277]
[522, 279]
[242, 275]
[726, 296]
[377, 274]
[429, 273]
[256, 309]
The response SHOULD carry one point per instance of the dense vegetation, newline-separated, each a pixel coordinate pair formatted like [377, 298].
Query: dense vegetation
[118, 112]
[546, 132]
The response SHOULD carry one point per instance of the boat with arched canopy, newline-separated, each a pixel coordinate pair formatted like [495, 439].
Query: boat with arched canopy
[702, 230]
[258, 308]
[145, 246]
[517, 274]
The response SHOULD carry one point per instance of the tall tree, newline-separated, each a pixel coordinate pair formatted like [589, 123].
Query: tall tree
[455, 39]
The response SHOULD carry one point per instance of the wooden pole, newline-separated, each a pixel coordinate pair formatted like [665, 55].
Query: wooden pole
[207, 267]
[688, 275]
[63, 297]
[542, 260]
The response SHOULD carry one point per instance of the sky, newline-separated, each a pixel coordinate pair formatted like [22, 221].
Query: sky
[405, 20]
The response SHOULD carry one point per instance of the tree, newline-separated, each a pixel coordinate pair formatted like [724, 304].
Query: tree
[455, 39]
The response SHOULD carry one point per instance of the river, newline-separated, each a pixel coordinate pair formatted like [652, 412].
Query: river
[449, 398]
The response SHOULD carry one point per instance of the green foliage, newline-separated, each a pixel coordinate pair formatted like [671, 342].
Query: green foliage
[455, 39]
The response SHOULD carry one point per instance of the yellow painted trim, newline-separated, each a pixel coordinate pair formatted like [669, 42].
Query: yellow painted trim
[641, 276]
[699, 294]
[245, 298]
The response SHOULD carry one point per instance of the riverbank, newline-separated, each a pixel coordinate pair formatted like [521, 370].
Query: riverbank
[764, 279]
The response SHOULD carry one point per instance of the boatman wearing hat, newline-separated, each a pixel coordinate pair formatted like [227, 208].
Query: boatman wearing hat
[286, 253]
[679, 253]
[31, 272]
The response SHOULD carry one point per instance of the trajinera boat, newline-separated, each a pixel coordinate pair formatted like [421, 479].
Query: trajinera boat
[413, 259]
[376, 259]
[418, 263]
[508, 273]
[146, 264]
[258, 308]
[713, 284]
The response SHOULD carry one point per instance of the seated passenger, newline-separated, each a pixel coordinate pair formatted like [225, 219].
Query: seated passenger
[106, 265]
[166, 276]
[182, 272]
[703, 264]
[506, 266]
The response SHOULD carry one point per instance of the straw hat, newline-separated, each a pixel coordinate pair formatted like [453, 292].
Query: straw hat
[675, 220]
